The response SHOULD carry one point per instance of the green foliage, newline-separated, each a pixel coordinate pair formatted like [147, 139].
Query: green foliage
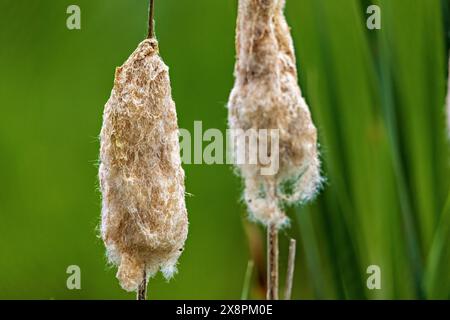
[378, 98]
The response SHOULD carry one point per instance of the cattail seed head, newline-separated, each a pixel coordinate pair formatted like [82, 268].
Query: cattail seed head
[266, 95]
[144, 219]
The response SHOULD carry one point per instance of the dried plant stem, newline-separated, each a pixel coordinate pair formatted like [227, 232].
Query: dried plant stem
[290, 271]
[272, 262]
[151, 28]
[142, 290]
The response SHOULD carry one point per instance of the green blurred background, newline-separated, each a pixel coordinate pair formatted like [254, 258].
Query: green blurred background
[377, 98]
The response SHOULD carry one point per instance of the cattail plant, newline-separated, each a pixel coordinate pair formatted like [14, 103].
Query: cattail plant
[144, 219]
[266, 95]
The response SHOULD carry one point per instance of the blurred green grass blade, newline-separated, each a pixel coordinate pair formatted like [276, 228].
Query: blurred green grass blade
[247, 280]
[389, 110]
[309, 241]
[417, 56]
[378, 105]
[437, 274]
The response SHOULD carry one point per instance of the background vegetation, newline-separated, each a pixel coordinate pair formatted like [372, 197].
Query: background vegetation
[377, 98]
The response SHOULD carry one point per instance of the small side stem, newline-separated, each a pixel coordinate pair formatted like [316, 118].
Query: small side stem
[290, 270]
[151, 13]
[142, 290]
[272, 262]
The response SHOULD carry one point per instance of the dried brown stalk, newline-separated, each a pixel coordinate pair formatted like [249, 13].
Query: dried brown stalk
[272, 263]
[290, 270]
[151, 27]
[142, 289]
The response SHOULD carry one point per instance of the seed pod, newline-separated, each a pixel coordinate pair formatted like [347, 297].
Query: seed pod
[144, 219]
[266, 95]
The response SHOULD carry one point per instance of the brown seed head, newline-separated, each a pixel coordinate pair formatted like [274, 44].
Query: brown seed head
[266, 95]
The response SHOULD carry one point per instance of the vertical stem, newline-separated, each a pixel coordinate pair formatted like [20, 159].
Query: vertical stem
[272, 262]
[290, 270]
[142, 290]
[151, 13]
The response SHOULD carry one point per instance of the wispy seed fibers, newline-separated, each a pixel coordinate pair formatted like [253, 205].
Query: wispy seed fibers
[266, 95]
[144, 219]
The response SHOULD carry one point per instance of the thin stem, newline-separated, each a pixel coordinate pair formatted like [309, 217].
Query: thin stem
[272, 262]
[247, 280]
[290, 271]
[142, 290]
[151, 13]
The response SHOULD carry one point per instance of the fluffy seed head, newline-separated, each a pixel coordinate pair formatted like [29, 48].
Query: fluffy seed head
[144, 219]
[266, 95]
